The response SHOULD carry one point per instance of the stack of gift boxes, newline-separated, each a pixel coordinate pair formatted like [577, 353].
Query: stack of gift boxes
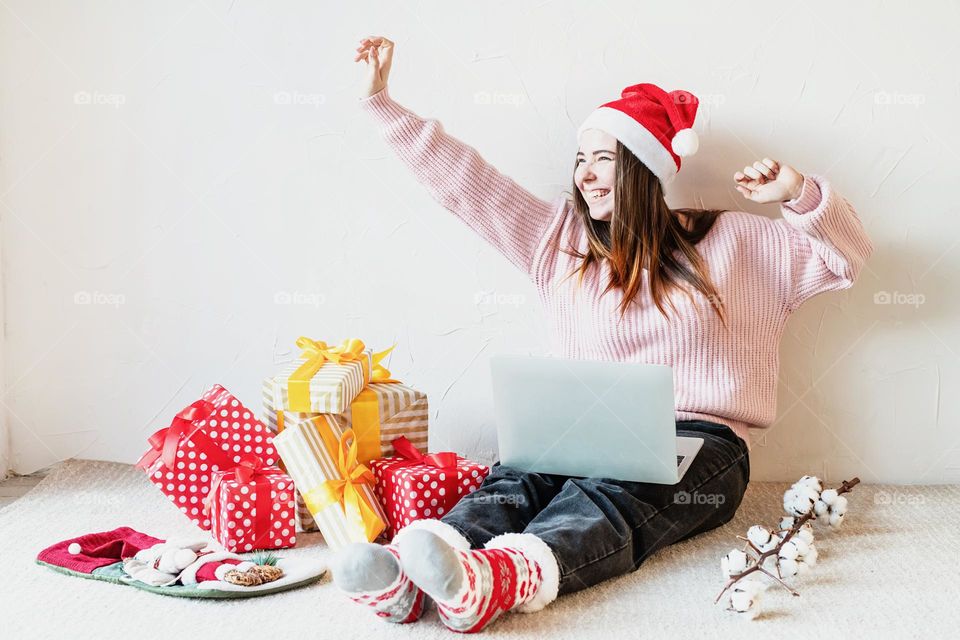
[341, 448]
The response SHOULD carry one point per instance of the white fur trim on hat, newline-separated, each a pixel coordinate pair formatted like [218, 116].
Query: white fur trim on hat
[449, 534]
[635, 137]
[534, 548]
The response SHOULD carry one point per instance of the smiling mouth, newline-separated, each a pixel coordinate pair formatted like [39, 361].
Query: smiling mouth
[597, 195]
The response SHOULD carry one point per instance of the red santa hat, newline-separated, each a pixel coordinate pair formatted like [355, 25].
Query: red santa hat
[656, 125]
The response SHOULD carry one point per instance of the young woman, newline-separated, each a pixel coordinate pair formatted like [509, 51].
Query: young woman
[706, 292]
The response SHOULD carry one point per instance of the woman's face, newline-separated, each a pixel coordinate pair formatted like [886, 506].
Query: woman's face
[595, 174]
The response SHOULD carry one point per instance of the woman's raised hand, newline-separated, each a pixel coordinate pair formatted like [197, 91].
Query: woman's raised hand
[769, 181]
[377, 52]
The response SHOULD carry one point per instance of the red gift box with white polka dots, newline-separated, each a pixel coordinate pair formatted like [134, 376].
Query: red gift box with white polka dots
[259, 514]
[211, 434]
[410, 491]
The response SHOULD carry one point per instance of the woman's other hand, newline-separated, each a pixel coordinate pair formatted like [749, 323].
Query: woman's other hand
[377, 53]
[769, 181]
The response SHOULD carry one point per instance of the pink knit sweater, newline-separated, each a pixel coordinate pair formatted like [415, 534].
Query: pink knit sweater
[763, 269]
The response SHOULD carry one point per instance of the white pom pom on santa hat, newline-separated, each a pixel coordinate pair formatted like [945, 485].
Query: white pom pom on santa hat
[685, 143]
[74, 548]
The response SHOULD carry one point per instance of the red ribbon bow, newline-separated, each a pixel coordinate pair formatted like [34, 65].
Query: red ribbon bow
[164, 442]
[446, 460]
[440, 460]
[249, 467]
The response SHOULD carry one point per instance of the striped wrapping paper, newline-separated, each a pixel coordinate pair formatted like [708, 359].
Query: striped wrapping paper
[404, 411]
[304, 521]
[270, 409]
[308, 450]
[332, 388]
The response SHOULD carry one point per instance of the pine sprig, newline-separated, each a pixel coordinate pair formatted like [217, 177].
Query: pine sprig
[264, 558]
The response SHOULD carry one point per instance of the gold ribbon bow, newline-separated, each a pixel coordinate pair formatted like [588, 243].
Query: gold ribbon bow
[360, 514]
[316, 353]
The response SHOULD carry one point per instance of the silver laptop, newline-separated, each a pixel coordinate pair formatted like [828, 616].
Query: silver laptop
[589, 418]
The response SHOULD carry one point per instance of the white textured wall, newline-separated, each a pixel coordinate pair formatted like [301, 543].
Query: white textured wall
[171, 171]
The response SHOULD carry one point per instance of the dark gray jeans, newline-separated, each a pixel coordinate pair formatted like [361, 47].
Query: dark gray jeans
[599, 528]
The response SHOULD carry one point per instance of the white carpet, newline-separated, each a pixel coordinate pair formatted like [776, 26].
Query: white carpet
[891, 570]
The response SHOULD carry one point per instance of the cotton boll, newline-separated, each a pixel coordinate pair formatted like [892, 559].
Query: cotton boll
[828, 496]
[805, 533]
[803, 490]
[759, 536]
[812, 482]
[746, 604]
[840, 506]
[801, 546]
[734, 562]
[793, 508]
[836, 519]
[789, 550]
[820, 507]
[800, 506]
[809, 493]
[787, 522]
[741, 600]
[752, 612]
[800, 500]
[810, 557]
[802, 568]
[787, 567]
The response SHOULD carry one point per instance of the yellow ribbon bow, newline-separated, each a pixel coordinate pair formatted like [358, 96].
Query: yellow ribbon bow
[316, 353]
[347, 491]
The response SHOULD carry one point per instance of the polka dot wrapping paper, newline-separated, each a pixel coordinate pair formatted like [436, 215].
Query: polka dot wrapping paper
[259, 514]
[211, 434]
[411, 491]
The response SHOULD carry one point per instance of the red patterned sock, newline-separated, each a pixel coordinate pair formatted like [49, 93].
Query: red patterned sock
[470, 587]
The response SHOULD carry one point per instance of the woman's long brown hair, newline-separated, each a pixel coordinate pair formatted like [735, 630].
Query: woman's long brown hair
[644, 231]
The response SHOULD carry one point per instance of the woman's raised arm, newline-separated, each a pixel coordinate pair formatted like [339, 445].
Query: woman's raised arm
[505, 214]
[826, 243]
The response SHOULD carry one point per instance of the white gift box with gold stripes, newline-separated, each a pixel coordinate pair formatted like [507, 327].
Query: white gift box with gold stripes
[313, 452]
[331, 389]
[384, 411]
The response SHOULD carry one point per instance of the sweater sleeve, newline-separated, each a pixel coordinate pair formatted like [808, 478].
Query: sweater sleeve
[503, 213]
[827, 243]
